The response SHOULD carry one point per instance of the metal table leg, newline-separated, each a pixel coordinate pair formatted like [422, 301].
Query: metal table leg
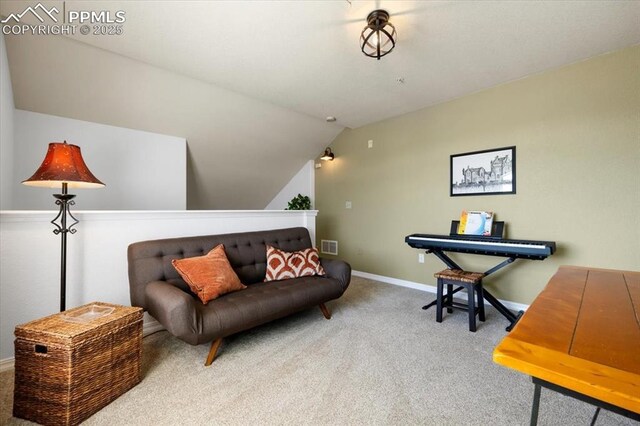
[595, 417]
[577, 395]
[536, 405]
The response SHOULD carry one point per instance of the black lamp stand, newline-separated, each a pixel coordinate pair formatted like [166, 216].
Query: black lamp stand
[65, 201]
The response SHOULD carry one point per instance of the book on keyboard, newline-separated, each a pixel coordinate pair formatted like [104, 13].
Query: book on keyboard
[497, 231]
[475, 223]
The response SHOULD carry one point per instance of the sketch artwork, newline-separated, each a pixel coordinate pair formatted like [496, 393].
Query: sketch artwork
[483, 172]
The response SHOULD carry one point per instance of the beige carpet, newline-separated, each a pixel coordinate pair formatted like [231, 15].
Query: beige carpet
[380, 360]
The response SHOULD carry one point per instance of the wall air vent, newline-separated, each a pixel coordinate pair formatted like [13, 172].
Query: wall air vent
[329, 247]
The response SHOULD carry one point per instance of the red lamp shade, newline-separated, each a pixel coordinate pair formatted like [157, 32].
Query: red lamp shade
[63, 164]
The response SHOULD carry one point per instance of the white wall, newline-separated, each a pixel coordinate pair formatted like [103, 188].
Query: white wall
[6, 130]
[141, 170]
[302, 183]
[242, 150]
[97, 255]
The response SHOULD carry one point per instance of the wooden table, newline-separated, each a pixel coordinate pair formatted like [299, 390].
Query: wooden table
[581, 337]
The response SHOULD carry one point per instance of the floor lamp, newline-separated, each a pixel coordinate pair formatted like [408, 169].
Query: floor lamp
[64, 167]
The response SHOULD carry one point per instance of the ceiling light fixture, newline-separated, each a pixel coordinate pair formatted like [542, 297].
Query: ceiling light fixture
[378, 38]
[328, 155]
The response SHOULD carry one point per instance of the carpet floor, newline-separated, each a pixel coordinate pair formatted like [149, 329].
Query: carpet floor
[381, 360]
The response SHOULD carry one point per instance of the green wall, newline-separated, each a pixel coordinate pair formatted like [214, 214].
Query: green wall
[577, 133]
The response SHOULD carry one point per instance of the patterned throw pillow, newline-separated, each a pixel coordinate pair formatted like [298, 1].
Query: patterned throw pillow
[209, 276]
[282, 265]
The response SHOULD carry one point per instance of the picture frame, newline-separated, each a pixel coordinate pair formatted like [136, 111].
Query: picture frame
[486, 172]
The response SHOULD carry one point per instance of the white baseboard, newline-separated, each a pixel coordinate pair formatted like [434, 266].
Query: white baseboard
[148, 327]
[6, 364]
[395, 281]
[514, 306]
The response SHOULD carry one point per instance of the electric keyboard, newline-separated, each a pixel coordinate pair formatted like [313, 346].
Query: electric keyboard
[519, 249]
[493, 245]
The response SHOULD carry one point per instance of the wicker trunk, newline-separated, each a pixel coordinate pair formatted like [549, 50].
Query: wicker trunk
[70, 365]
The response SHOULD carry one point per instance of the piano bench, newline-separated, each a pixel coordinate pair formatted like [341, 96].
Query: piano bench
[472, 282]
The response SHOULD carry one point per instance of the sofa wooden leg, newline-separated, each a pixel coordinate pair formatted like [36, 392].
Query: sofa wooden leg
[212, 352]
[325, 311]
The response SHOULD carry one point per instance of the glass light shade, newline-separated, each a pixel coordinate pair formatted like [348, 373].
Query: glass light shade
[328, 155]
[63, 164]
[378, 38]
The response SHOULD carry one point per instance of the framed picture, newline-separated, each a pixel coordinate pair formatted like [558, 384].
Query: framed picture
[488, 172]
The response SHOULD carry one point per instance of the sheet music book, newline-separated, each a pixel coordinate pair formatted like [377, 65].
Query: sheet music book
[475, 223]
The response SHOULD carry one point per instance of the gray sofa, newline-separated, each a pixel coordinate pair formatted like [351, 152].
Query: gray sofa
[158, 288]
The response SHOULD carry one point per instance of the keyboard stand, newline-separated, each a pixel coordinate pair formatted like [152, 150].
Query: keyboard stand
[513, 319]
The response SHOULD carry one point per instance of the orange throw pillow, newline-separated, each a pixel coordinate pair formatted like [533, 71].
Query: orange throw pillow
[209, 276]
[282, 265]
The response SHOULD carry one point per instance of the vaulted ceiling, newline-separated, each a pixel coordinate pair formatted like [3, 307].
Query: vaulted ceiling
[249, 83]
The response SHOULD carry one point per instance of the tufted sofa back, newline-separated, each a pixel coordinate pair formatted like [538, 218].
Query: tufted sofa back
[151, 260]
